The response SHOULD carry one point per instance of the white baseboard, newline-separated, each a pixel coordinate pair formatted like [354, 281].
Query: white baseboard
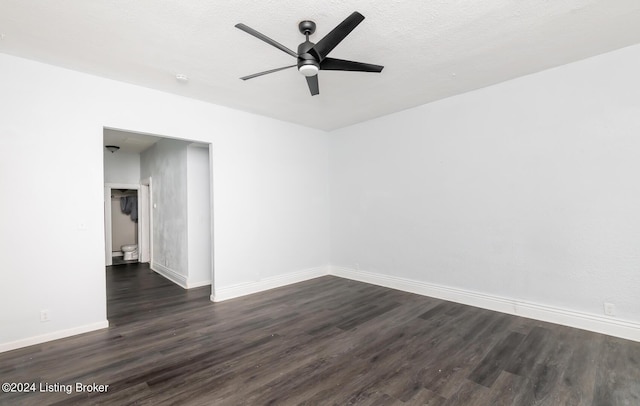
[230, 292]
[191, 285]
[26, 342]
[170, 274]
[585, 321]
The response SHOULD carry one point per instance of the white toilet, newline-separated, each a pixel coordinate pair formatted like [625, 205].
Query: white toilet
[130, 252]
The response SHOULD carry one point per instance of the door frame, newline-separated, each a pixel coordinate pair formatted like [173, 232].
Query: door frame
[108, 242]
[145, 236]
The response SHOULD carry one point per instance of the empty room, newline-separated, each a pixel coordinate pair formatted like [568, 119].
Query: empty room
[320, 203]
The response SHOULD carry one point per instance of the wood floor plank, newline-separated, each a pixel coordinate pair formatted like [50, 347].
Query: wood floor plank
[496, 360]
[469, 393]
[454, 362]
[618, 378]
[425, 397]
[321, 342]
[525, 357]
[579, 371]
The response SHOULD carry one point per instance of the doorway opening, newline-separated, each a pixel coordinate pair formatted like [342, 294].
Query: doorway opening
[127, 218]
[124, 226]
[170, 181]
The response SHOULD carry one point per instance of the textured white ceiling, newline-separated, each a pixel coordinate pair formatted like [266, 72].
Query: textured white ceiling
[430, 49]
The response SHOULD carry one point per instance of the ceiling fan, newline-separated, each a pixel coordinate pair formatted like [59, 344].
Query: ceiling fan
[313, 57]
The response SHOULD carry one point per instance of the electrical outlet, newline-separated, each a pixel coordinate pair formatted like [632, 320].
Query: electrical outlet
[44, 315]
[609, 309]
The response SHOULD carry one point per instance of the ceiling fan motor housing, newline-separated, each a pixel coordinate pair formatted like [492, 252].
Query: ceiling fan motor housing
[307, 64]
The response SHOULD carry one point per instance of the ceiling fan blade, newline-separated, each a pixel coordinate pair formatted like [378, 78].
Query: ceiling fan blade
[255, 75]
[266, 39]
[341, 64]
[332, 39]
[312, 81]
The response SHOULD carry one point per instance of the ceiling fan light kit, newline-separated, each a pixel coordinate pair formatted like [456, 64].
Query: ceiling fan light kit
[308, 70]
[312, 57]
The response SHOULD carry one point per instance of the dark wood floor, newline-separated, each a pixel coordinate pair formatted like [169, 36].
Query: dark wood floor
[321, 342]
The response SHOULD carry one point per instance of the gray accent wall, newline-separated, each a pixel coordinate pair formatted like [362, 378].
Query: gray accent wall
[166, 164]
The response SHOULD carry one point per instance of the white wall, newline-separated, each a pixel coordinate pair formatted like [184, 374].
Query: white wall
[527, 190]
[121, 167]
[166, 163]
[270, 192]
[198, 215]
